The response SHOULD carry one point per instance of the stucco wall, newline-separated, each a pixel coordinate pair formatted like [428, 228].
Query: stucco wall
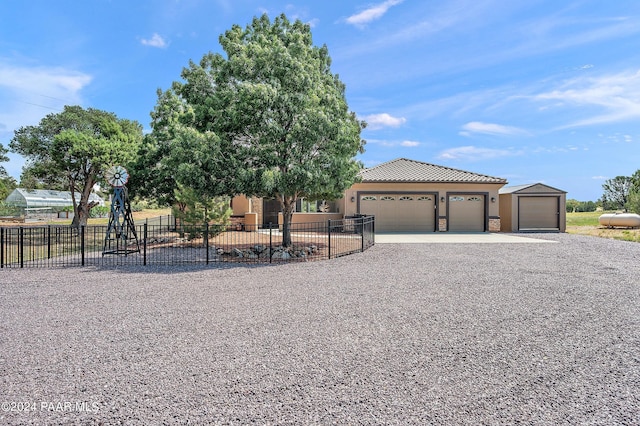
[240, 205]
[311, 217]
[506, 212]
[441, 189]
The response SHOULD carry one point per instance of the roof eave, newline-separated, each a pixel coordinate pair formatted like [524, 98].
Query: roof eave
[503, 182]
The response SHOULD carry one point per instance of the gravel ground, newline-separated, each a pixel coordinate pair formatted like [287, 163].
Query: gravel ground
[400, 334]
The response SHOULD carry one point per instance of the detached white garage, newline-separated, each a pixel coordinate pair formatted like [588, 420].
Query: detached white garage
[533, 208]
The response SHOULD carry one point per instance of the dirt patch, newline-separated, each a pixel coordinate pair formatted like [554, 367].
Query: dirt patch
[610, 233]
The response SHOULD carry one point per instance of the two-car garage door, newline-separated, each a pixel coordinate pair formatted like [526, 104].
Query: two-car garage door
[401, 212]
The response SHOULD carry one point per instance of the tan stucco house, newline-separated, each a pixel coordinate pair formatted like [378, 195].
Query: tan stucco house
[405, 196]
[412, 196]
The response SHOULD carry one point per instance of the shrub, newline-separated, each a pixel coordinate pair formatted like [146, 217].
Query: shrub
[194, 211]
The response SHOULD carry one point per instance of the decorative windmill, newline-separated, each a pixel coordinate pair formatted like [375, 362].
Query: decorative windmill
[121, 237]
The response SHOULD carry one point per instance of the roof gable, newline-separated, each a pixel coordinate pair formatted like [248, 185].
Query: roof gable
[531, 188]
[404, 170]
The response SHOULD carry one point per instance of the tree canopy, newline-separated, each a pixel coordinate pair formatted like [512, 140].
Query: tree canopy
[634, 193]
[7, 183]
[269, 119]
[73, 148]
[616, 192]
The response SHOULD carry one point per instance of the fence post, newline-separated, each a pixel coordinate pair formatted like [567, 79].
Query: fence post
[270, 242]
[362, 234]
[48, 241]
[329, 235]
[1, 247]
[82, 244]
[144, 244]
[206, 241]
[21, 245]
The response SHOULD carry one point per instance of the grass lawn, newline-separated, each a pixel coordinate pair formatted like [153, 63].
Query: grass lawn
[587, 224]
[137, 216]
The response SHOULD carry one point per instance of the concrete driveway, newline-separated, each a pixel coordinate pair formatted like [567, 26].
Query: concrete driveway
[449, 238]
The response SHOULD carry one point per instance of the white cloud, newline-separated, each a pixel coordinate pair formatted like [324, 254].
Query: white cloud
[372, 13]
[617, 96]
[473, 153]
[29, 93]
[155, 41]
[490, 129]
[378, 121]
[392, 143]
[599, 177]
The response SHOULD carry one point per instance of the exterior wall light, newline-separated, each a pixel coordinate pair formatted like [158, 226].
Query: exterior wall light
[442, 199]
[493, 199]
[353, 199]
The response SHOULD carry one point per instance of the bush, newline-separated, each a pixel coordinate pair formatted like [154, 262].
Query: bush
[575, 206]
[9, 210]
[99, 211]
[195, 210]
[633, 205]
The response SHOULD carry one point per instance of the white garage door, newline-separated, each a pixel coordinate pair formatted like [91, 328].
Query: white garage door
[538, 213]
[400, 212]
[466, 213]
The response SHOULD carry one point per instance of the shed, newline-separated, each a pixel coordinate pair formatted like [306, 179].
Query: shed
[29, 200]
[534, 207]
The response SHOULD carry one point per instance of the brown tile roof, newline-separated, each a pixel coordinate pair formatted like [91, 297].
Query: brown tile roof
[404, 170]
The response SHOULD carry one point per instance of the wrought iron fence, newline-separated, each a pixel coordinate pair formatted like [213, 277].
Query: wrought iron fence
[168, 243]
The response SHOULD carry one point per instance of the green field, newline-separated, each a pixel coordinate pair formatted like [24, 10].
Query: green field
[584, 219]
[587, 224]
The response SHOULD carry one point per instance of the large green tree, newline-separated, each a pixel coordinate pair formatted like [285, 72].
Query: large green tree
[268, 119]
[634, 193]
[616, 192]
[73, 149]
[7, 183]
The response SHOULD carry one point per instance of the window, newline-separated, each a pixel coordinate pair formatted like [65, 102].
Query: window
[369, 198]
[474, 199]
[387, 198]
[425, 198]
[406, 198]
[456, 198]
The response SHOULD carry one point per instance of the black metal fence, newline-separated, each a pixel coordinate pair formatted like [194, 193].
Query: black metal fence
[165, 243]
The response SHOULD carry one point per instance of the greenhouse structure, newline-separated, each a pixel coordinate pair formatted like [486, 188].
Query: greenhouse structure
[41, 203]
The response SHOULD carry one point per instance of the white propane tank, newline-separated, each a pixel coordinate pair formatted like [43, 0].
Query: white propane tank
[626, 220]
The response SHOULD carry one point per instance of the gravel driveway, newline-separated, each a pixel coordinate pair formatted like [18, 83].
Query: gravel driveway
[400, 334]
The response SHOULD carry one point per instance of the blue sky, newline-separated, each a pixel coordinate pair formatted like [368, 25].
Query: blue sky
[530, 90]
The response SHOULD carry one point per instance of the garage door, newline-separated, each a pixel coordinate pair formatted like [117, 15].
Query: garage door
[400, 212]
[538, 213]
[466, 213]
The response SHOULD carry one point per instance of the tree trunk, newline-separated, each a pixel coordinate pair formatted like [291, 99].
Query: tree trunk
[82, 209]
[288, 205]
